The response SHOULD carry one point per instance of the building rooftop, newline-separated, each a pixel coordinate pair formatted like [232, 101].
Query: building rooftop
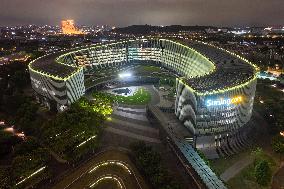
[47, 65]
[230, 71]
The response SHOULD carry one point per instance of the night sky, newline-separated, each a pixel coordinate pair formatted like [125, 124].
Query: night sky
[154, 12]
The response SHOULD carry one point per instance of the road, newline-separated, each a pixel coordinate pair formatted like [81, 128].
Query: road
[107, 169]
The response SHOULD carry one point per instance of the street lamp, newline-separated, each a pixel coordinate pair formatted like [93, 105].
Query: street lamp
[125, 75]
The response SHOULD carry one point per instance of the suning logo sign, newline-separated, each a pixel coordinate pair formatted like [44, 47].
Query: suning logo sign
[224, 101]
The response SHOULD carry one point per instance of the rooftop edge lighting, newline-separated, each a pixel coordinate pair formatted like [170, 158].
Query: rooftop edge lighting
[105, 46]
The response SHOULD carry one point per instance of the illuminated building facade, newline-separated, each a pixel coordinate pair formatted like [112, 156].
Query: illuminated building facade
[68, 28]
[215, 90]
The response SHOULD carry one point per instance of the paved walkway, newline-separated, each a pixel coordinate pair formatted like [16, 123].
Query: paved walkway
[138, 117]
[132, 135]
[236, 168]
[155, 97]
[278, 178]
[57, 157]
[134, 125]
[131, 121]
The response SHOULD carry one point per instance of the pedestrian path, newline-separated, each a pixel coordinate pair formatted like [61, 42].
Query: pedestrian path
[135, 116]
[190, 159]
[134, 125]
[132, 135]
[131, 121]
[236, 168]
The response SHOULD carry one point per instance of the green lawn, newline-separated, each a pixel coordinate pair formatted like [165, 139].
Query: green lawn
[246, 179]
[140, 97]
[146, 69]
[221, 164]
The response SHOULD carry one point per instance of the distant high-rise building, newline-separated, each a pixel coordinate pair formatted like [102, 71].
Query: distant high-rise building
[68, 27]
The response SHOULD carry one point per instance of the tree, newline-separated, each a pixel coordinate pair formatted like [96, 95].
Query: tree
[24, 165]
[82, 121]
[202, 155]
[280, 117]
[28, 146]
[25, 116]
[150, 164]
[262, 173]
[278, 144]
[7, 140]
[257, 154]
[28, 157]
[36, 54]
[19, 80]
[5, 178]
[12, 103]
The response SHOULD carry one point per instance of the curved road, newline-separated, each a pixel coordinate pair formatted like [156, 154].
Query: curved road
[107, 169]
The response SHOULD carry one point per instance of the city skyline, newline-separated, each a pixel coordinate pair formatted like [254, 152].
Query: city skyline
[131, 12]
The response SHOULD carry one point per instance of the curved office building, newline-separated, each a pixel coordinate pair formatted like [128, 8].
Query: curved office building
[215, 90]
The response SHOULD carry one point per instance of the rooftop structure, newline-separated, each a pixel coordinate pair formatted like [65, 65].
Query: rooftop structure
[230, 69]
[214, 90]
[48, 65]
[217, 68]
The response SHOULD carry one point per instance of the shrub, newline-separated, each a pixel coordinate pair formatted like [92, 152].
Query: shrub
[262, 173]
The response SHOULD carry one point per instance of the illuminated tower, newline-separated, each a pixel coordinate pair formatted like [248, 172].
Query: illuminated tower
[69, 28]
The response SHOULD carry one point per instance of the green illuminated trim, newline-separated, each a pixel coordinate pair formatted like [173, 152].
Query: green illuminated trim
[216, 91]
[198, 53]
[234, 54]
[53, 76]
[80, 49]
